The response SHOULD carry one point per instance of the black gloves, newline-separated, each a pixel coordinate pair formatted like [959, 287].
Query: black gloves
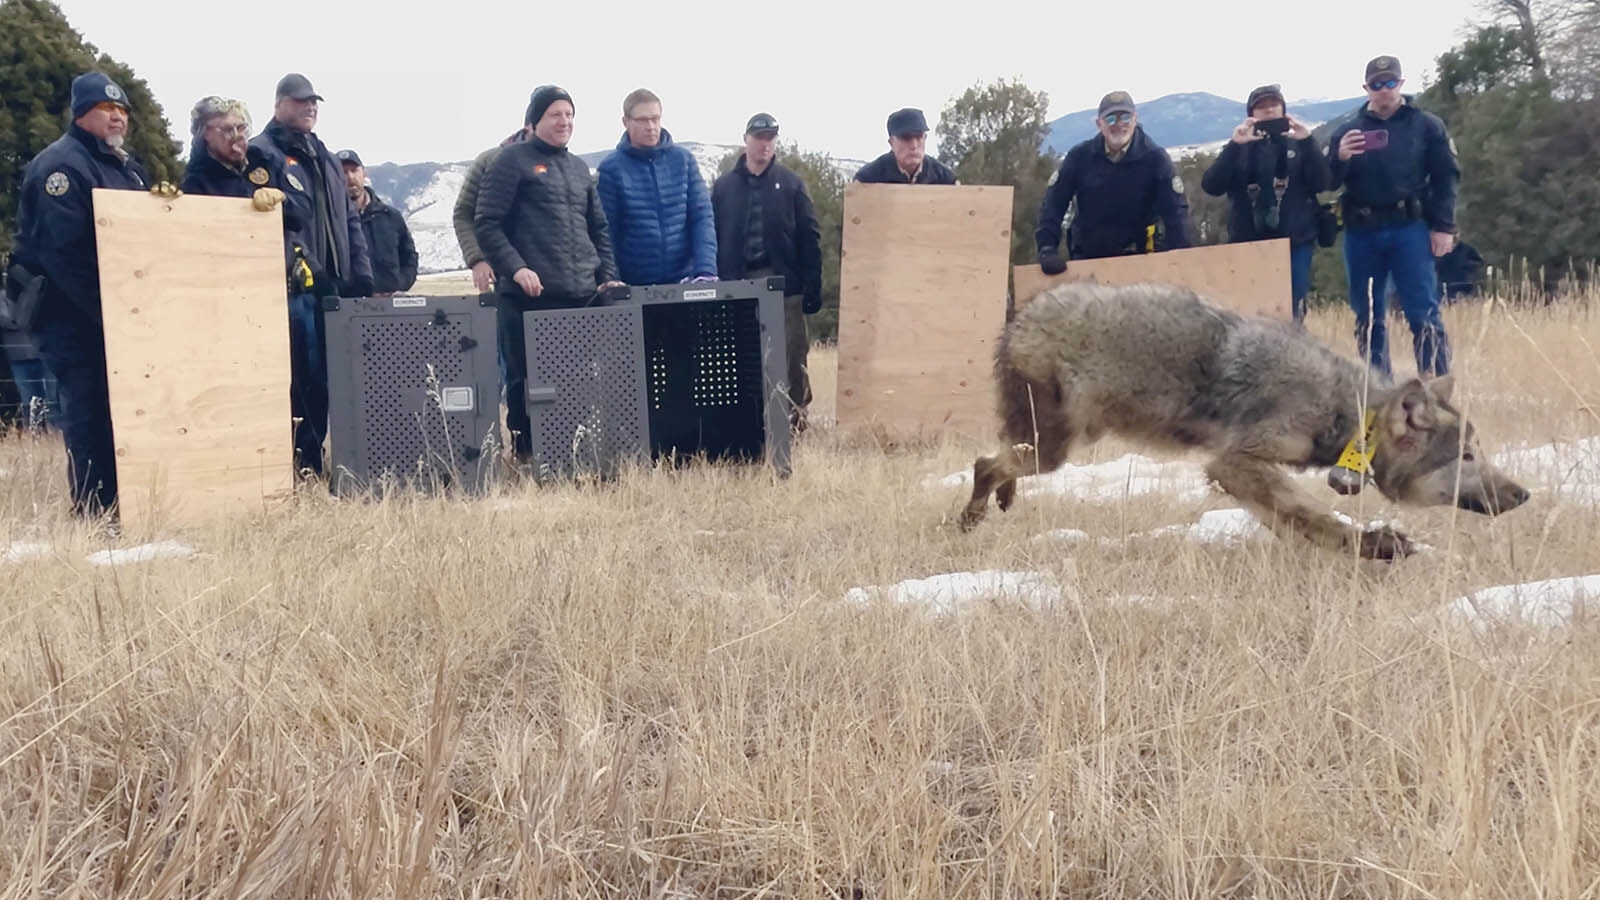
[1052, 263]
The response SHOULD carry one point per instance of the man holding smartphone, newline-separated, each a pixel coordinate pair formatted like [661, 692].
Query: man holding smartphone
[1397, 165]
[1271, 171]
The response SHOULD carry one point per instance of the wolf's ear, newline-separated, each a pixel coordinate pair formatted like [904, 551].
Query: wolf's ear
[1412, 408]
[1442, 386]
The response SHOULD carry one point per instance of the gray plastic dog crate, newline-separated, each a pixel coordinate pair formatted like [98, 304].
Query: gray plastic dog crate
[413, 391]
[665, 371]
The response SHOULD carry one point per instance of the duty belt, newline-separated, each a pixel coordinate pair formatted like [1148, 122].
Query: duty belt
[1405, 210]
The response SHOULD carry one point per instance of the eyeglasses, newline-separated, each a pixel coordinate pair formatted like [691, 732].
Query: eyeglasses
[231, 131]
[645, 120]
[1116, 118]
[1383, 85]
[108, 106]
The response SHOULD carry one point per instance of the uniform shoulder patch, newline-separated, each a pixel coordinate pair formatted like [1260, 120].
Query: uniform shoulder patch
[293, 181]
[57, 184]
[258, 176]
[1177, 184]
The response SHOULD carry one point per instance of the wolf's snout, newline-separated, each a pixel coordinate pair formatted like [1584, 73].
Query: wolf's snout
[1495, 499]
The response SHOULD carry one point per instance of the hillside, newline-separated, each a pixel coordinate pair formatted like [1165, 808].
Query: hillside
[426, 193]
[1183, 120]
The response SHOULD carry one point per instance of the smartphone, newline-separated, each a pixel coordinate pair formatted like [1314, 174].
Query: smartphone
[1273, 127]
[1376, 140]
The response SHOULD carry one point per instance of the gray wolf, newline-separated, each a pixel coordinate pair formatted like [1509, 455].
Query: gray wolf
[1158, 364]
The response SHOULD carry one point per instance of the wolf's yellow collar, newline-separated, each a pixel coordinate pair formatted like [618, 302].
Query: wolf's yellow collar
[1357, 455]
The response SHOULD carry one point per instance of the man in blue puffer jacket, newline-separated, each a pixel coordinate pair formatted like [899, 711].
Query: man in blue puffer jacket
[656, 202]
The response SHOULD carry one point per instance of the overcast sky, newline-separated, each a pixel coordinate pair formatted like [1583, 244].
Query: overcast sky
[446, 84]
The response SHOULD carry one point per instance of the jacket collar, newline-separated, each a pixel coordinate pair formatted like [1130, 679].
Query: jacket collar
[645, 152]
[1138, 145]
[95, 145]
[536, 141]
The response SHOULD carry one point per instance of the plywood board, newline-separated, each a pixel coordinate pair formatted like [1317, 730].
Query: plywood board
[1249, 277]
[922, 287]
[197, 355]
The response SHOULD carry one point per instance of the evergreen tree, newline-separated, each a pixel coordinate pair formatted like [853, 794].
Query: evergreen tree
[40, 54]
[994, 134]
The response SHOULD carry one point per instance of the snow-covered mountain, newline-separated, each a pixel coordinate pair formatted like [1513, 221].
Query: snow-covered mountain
[426, 193]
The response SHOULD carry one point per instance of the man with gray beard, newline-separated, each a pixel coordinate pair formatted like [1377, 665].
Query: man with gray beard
[1125, 186]
[55, 277]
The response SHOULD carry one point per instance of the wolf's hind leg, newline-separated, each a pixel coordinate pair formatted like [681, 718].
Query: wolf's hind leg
[1264, 489]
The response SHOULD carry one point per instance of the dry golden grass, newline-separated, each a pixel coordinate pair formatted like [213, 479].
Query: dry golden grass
[656, 688]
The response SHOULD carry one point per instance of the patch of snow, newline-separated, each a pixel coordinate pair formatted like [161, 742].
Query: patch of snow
[1064, 536]
[23, 550]
[1218, 526]
[1126, 476]
[142, 553]
[1570, 470]
[1551, 603]
[953, 591]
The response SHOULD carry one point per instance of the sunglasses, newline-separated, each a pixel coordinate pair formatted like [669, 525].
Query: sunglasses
[1116, 118]
[1383, 85]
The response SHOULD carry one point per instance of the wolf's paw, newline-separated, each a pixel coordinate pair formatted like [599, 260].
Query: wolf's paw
[970, 517]
[1385, 542]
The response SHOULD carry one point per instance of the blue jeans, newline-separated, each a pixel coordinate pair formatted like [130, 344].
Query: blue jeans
[1300, 276]
[308, 380]
[74, 350]
[1403, 252]
[36, 391]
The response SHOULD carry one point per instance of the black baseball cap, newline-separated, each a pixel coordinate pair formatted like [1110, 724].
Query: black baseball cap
[761, 122]
[297, 86]
[351, 157]
[907, 121]
[1383, 67]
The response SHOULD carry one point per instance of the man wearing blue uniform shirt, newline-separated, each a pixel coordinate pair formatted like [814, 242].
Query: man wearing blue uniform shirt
[1398, 167]
[1124, 183]
[54, 254]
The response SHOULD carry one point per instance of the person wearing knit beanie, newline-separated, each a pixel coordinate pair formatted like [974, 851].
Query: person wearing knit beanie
[543, 96]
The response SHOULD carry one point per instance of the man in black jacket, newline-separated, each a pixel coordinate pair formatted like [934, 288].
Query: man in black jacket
[55, 259]
[394, 253]
[907, 161]
[1124, 184]
[766, 226]
[1271, 171]
[540, 225]
[332, 258]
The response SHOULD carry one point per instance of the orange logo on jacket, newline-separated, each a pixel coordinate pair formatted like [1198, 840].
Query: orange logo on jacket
[540, 168]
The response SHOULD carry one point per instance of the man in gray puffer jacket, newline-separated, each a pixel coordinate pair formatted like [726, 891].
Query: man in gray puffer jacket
[540, 225]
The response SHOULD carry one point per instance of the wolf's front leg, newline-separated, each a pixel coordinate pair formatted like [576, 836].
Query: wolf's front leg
[1265, 489]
